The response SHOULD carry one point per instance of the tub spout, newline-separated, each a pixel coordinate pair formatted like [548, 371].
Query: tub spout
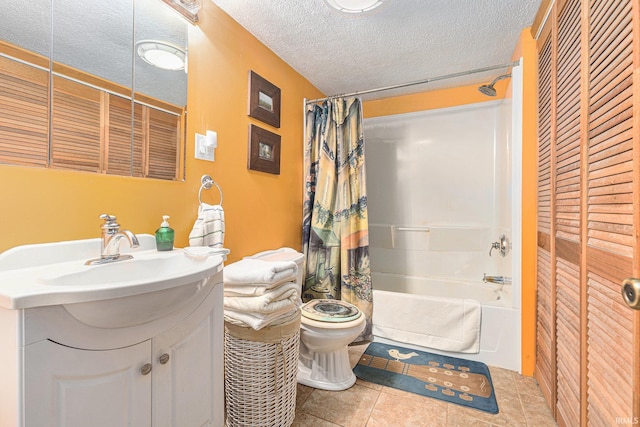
[500, 280]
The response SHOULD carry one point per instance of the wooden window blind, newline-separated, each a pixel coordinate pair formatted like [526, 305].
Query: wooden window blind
[91, 129]
[163, 131]
[76, 126]
[24, 114]
[140, 139]
[118, 153]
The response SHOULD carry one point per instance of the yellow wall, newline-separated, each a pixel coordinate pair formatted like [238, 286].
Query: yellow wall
[526, 49]
[443, 98]
[464, 95]
[262, 210]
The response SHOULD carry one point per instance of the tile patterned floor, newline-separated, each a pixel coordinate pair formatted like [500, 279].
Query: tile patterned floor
[366, 404]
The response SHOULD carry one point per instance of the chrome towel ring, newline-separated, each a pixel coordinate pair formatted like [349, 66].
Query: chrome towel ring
[207, 183]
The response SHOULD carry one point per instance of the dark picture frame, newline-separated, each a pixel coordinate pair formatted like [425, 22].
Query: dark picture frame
[264, 150]
[264, 100]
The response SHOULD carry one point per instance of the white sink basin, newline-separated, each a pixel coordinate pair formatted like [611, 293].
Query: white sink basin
[148, 267]
[41, 254]
[113, 295]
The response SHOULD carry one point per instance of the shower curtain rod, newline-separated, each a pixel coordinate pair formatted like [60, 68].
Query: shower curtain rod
[432, 79]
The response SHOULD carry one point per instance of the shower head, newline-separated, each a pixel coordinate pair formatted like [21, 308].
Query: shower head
[489, 90]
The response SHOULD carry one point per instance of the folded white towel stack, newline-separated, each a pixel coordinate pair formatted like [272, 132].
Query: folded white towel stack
[250, 271]
[208, 230]
[259, 293]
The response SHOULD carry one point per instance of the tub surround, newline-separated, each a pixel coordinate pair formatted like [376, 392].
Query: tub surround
[440, 196]
[439, 192]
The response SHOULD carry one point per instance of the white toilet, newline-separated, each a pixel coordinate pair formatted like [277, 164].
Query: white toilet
[327, 328]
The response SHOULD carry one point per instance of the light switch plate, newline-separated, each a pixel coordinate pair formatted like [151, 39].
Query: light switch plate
[202, 151]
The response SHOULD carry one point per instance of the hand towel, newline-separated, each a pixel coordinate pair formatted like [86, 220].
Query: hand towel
[208, 230]
[255, 271]
[281, 297]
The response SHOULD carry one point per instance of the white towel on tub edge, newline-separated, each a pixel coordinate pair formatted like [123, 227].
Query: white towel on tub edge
[448, 324]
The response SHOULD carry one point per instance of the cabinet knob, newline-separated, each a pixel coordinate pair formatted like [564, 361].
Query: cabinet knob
[146, 368]
[164, 358]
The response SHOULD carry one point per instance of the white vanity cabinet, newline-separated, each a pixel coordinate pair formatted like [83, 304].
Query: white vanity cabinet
[58, 371]
[72, 387]
[188, 373]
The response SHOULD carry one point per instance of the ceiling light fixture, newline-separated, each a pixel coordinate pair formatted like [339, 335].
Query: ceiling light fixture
[355, 6]
[161, 54]
[187, 8]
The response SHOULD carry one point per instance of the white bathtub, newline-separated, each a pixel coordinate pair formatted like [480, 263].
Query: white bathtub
[500, 324]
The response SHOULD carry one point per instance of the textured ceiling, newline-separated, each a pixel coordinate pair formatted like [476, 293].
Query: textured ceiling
[402, 41]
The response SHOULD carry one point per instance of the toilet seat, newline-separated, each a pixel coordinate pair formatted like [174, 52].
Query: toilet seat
[330, 314]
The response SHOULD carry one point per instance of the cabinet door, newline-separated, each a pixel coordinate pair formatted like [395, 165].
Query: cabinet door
[188, 374]
[70, 387]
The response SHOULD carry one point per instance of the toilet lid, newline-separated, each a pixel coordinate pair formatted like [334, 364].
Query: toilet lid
[330, 310]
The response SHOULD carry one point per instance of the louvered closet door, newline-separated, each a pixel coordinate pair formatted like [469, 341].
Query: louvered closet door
[588, 341]
[545, 325]
[567, 213]
[611, 224]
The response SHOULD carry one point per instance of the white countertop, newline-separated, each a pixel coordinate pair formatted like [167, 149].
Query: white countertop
[37, 275]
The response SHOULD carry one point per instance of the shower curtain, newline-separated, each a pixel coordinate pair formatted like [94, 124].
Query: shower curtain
[335, 224]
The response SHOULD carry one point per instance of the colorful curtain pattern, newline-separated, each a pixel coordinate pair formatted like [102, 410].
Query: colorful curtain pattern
[335, 223]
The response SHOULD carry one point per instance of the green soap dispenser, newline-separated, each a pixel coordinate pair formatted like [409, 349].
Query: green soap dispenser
[164, 235]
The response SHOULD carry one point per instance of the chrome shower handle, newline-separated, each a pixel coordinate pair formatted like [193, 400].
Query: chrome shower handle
[494, 245]
[502, 245]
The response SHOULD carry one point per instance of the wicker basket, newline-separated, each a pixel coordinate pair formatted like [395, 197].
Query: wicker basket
[261, 374]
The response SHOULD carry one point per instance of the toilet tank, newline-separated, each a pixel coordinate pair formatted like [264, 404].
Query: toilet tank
[283, 254]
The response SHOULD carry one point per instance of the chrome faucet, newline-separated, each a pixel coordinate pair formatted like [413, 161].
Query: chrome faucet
[500, 280]
[110, 243]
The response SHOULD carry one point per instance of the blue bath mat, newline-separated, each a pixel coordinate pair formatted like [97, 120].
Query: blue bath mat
[453, 380]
